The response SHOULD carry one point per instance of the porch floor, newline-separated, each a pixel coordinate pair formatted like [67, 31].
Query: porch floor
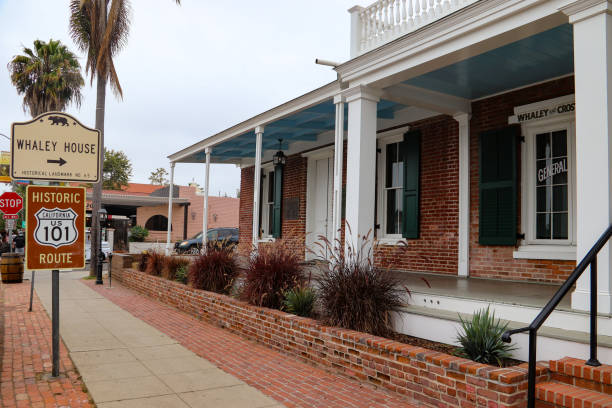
[519, 293]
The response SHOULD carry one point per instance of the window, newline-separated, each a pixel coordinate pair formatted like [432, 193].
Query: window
[393, 185]
[398, 185]
[552, 193]
[157, 223]
[267, 204]
[548, 190]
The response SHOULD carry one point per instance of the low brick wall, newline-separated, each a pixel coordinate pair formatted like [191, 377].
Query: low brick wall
[433, 378]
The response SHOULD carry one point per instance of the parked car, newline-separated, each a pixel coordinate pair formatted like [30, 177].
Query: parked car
[106, 250]
[227, 237]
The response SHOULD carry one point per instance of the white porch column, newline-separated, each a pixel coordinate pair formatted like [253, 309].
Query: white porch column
[464, 194]
[169, 233]
[360, 164]
[593, 78]
[205, 215]
[338, 162]
[256, 187]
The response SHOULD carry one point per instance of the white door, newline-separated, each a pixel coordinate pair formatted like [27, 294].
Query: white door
[320, 203]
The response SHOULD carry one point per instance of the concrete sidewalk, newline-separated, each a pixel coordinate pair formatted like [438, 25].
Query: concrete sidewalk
[125, 362]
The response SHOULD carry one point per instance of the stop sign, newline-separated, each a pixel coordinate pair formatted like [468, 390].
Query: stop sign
[11, 203]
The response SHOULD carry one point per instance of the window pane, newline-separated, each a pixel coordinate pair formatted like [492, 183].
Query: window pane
[270, 186]
[559, 143]
[543, 146]
[394, 166]
[560, 198]
[543, 199]
[560, 226]
[394, 211]
[561, 169]
[543, 226]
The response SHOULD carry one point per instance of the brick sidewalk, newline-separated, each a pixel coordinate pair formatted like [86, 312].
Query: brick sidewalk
[26, 357]
[281, 377]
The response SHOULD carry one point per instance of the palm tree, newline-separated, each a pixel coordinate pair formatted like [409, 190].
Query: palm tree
[100, 29]
[48, 76]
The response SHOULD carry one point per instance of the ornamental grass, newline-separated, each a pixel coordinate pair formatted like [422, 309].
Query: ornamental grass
[215, 270]
[353, 293]
[273, 270]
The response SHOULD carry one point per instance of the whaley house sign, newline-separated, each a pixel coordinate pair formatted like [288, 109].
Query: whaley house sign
[538, 111]
[55, 146]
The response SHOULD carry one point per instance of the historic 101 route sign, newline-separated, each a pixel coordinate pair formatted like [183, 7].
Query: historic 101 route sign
[55, 146]
[55, 233]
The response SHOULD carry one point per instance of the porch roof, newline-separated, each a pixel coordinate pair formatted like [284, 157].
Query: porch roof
[542, 56]
[300, 120]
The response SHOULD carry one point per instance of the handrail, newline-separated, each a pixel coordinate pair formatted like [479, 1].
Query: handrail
[590, 259]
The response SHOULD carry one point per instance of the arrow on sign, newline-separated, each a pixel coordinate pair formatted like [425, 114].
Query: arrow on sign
[61, 161]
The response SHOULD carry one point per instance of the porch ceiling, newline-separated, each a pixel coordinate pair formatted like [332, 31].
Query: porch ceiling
[302, 126]
[546, 55]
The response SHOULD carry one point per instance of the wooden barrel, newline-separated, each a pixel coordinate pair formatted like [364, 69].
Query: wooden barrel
[11, 268]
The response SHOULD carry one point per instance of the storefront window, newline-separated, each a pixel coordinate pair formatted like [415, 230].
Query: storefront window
[552, 192]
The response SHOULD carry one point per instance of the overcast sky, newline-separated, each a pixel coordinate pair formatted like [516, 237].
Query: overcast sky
[188, 72]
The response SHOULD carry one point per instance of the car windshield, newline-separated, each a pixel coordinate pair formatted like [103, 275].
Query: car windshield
[198, 235]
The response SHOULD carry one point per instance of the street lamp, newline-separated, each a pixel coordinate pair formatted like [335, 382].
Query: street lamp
[103, 217]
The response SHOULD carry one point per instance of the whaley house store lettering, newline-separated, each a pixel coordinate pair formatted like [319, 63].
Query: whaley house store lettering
[544, 113]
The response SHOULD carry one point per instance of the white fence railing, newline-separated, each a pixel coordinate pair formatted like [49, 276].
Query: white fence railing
[386, 20]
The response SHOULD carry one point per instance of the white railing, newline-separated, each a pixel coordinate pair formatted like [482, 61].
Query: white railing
[386, 20]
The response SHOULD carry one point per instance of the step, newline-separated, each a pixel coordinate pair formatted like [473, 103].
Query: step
[553, 343]
[574, 371]
[570, 396]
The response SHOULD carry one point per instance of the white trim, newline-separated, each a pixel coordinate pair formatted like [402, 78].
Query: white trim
[205, 198]
[266, 235]
[463, 229]
[169, 232]
[555, 252]
[530, 247]
[385, 138]
[321, 153]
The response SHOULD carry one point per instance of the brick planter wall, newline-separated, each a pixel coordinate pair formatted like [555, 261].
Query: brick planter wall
[433, 378]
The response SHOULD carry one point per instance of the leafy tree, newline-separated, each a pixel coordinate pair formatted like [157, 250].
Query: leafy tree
[159, 177]
[100, 28]
[48, 76]
[117, 169]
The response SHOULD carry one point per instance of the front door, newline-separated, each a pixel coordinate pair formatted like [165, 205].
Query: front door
[319, 211]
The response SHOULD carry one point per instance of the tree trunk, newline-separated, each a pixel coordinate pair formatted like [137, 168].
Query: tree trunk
[97, 189]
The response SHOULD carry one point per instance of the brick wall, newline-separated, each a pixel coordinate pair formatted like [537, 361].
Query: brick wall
[294, 186]
[434, 379]
[436, 250]
[222, 212]
[497, 261]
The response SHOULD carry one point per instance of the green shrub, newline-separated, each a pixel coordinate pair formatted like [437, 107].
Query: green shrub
[181, 274]
[138, 233]
[300, 301]
[273, 269]
[481, 339]
[215, 270]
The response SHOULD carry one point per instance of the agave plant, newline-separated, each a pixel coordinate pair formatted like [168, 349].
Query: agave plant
[481, 339]
[300, 301]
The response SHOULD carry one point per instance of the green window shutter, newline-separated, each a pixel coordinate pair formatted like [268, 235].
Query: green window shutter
[278, 198]
[498, 187]
[410, 150]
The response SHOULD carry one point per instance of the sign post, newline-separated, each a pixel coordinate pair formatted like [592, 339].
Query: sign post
[55, 146]
[55, 239]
